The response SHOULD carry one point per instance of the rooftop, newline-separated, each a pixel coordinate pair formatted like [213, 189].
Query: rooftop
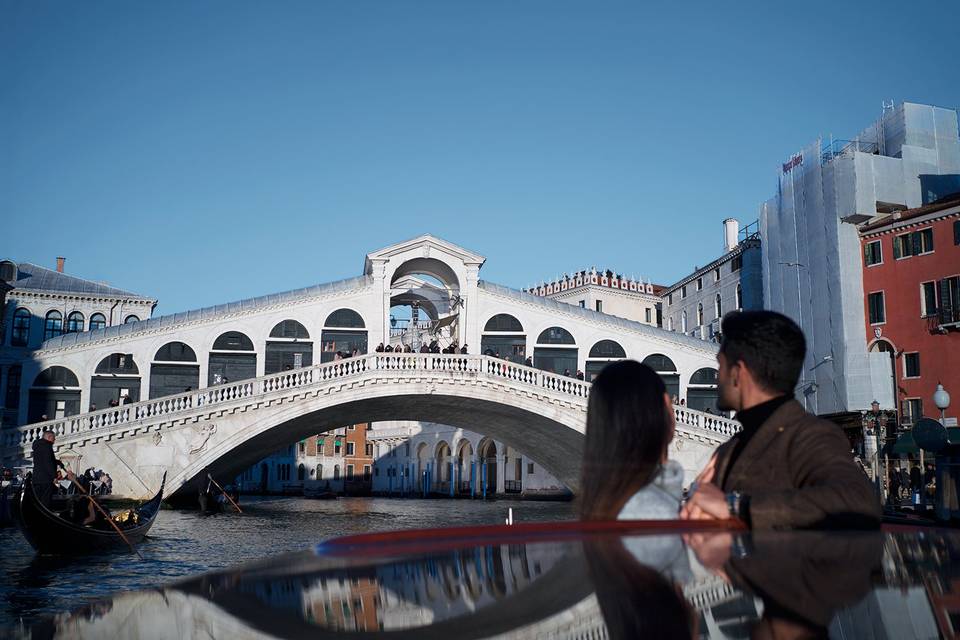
[32, 277]
[948, 202]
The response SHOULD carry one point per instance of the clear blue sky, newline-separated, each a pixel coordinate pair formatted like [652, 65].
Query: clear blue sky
[203, 152]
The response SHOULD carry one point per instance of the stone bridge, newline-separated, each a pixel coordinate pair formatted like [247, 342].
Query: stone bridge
[227, 428]
[224, 386]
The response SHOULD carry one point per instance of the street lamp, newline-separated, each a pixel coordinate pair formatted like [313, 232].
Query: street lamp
[942, 399]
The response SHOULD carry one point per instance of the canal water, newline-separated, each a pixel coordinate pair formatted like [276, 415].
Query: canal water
[184, 543]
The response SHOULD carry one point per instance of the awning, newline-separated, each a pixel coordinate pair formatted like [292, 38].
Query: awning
[442, 322]
[906, 444]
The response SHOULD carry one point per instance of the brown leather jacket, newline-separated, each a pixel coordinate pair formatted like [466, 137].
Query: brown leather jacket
[798, 471]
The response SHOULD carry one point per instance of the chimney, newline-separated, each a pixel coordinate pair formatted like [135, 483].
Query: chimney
[731, 232]
[60, 261]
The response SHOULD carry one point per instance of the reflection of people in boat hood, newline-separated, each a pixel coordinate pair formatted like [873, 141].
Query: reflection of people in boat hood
[637, 600]
[803, 578]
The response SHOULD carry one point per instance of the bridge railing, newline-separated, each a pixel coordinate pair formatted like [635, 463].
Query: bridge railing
[169, 407]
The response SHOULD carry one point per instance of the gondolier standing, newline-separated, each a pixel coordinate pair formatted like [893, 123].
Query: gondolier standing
[45, 468]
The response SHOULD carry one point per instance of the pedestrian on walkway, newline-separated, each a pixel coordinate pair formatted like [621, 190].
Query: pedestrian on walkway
[786, 468]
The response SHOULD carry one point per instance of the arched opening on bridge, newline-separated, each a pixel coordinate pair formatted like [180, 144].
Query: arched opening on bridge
[289, 347]
[174, 370]
[442, 465]
[487, 460]
[424, 304]
[667, 370]
[115, 381]
[464, 460]
[556, 351]
[602, 354]
[702, 390]
[55, 394]
[232, 358]
[343, 332]
[503, 334]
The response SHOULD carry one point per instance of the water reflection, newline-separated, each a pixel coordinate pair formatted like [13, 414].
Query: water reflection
[707, 585]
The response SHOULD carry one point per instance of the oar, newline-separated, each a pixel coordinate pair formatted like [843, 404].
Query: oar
[107, 516]
[239, 510]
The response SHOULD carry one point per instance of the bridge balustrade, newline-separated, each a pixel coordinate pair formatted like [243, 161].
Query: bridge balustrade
[100, 422]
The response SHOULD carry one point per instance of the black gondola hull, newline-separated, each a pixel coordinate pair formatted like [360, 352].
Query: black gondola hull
[47, 532]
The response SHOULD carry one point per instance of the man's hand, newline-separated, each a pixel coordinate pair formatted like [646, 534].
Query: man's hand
[712, 550]
[708, 502]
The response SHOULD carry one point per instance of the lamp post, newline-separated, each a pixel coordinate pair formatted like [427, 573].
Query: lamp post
[942, 399]
[875, 410]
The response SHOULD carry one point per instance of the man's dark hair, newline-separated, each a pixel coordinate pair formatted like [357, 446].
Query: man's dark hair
[769, 344]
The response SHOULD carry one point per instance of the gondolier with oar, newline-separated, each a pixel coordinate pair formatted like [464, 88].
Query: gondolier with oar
[45, 468]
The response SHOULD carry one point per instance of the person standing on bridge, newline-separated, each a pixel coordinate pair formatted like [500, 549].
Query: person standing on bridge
[626, 474]
[45, 468]
[786, 468]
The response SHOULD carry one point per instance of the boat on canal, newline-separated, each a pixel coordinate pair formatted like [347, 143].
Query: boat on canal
[49, 532]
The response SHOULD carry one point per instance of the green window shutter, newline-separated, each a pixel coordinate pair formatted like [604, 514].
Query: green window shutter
[956, 232]
[915, 243]
[896, 248]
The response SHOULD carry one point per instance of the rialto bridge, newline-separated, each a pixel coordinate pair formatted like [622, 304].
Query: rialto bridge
[219, 388]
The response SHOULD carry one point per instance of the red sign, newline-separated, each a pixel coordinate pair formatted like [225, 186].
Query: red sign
[795, 161]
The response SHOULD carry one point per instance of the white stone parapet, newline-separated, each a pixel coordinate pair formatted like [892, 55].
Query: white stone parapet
[148, 414]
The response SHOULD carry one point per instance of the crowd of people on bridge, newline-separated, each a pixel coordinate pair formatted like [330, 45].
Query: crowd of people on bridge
[432, 347]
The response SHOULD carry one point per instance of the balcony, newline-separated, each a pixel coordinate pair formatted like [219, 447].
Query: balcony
[944, 320]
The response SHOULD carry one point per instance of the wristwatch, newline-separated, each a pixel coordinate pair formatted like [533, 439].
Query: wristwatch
[738, 504]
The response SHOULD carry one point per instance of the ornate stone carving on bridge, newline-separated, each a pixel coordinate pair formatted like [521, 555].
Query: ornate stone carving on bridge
[157, 439]
[199, 441]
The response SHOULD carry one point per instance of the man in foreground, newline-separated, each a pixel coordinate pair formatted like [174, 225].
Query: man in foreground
[786, 468]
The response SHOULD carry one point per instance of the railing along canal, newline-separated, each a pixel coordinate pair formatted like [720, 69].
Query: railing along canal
[139, 414]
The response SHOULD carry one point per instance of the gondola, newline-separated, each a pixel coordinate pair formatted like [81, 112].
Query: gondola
[47, 532]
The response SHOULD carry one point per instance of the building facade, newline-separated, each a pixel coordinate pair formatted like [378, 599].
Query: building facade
[606, 292]
[695, 304]
[42, 303]
[911, 305]
[812, 258]
[423, 458]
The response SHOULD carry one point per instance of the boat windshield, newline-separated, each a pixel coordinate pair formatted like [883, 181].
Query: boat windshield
[569, 580]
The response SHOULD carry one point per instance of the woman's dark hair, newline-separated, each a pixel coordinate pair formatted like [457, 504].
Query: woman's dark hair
[635, 600]
[628, 430]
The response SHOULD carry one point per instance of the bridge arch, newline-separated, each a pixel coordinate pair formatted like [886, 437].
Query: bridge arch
[702, 390]
[232, 357]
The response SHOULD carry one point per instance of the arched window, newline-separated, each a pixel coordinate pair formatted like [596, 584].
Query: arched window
[702, 390]
[601, 354]
[683, 321]
[555, 335]
[231, 359]
[52, 325]
[344, 318]
[503, 322]
[97, 321]
[75, 322]
[115, 380]
[131, 318]
[301, 472]
[55, 394]
[290, 329]
[667, 370]
[233, 341]
[21, 328]
[289, 347]
[503, 335]
[699, 314]
[343, 333]
[175, 370]
[607, 349]
[319, 472]
[336, 472]
[175, 352]
[739, 297]
[718, 307]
